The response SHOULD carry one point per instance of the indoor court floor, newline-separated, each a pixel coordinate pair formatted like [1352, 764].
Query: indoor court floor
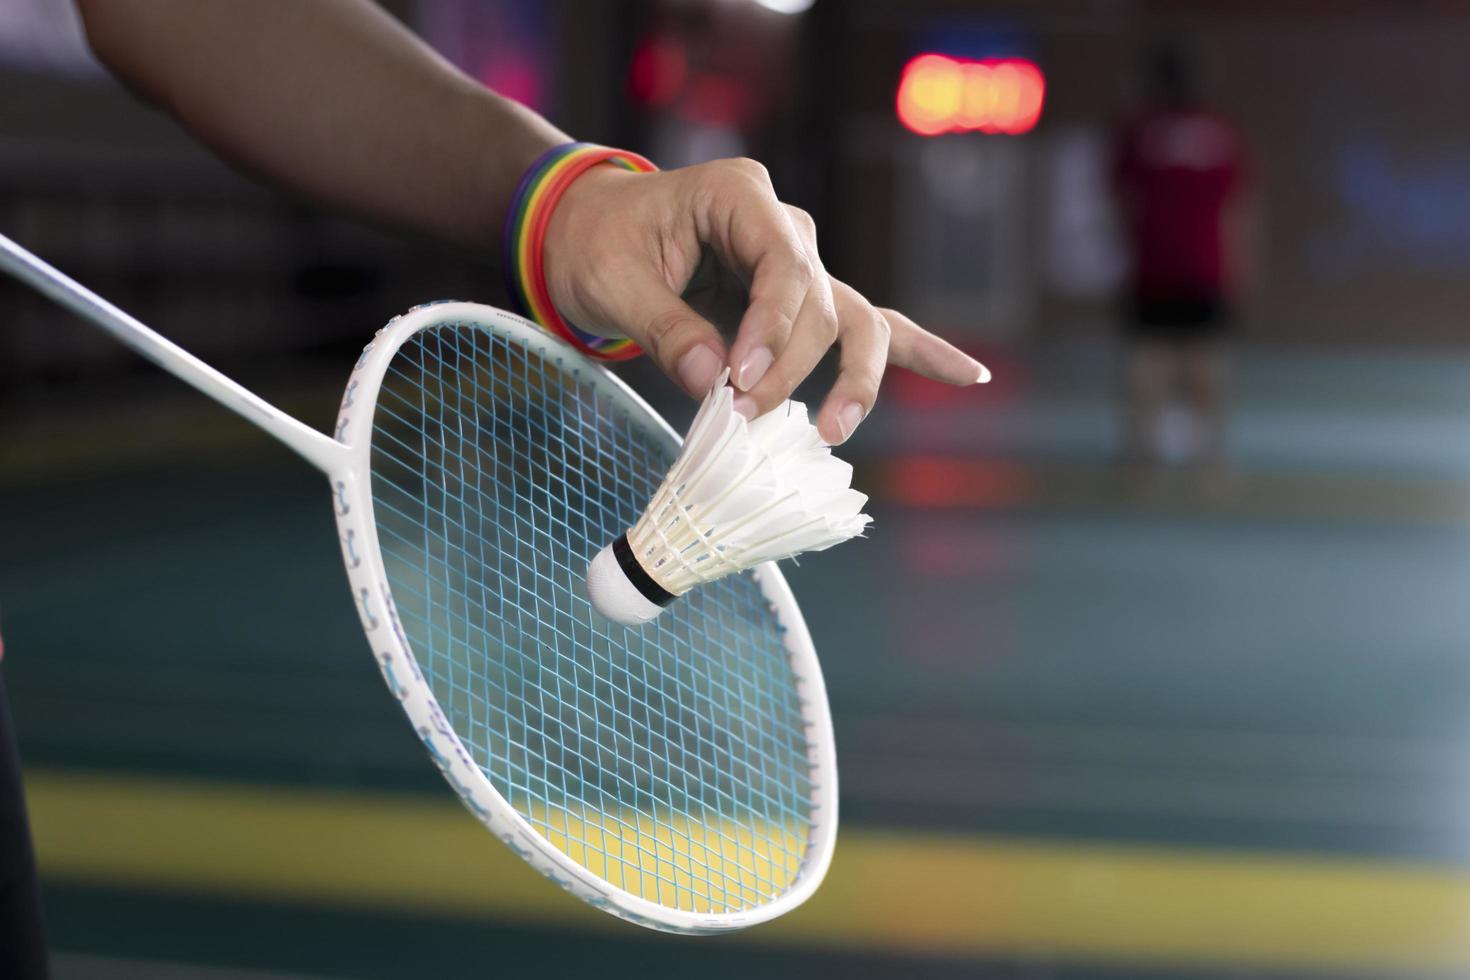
[1090, 723]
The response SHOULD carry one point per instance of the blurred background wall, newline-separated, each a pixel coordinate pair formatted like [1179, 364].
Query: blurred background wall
[1357, 155]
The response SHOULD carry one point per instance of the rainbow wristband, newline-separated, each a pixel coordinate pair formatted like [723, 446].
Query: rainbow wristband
[525, 234]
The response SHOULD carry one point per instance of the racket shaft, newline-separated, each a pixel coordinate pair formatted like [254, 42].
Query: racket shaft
[321, 451]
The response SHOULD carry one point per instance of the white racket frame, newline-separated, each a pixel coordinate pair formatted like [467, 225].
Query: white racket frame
[346, 459]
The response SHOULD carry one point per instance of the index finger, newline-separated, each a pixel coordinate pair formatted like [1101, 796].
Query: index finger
[915, 348]
[755, 236]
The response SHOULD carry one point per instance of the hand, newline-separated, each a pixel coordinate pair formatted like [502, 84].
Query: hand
[622, 249]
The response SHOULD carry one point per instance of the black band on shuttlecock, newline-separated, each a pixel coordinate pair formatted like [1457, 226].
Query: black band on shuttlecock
[642, 581]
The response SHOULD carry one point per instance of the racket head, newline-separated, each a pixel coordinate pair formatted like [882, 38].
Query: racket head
[680, 775]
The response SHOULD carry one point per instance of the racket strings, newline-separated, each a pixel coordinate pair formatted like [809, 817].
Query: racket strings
[671, 761]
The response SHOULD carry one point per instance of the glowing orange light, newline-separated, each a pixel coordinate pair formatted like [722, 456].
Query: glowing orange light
[938, 94]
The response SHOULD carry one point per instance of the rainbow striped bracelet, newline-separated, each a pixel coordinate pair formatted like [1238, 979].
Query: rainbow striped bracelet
[525, 233]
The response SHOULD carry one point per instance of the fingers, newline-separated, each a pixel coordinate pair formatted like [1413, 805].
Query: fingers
[683, 343]
[915, 348]
[864, 338]
[811, 336]
[771, 358]
[779, 288]
[753, 234]
[813, 332]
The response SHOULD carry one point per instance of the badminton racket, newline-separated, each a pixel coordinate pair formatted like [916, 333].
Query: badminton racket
[680, 775]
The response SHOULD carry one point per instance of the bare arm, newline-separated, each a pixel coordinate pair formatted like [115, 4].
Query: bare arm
[332, 99]
[337, 101]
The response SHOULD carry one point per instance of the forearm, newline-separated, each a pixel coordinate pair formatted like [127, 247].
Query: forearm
[338, 102]
[332, 99]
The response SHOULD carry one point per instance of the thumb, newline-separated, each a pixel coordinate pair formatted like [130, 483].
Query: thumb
[684, 344]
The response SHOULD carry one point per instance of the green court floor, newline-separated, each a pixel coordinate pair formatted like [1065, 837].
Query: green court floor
[1087, 726]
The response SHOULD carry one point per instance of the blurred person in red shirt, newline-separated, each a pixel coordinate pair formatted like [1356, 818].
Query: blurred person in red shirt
[1177, 171]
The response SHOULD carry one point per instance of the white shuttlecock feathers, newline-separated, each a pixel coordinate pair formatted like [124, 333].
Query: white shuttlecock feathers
[739, 494]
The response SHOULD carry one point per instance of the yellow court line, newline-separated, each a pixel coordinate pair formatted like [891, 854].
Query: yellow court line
[901, 892]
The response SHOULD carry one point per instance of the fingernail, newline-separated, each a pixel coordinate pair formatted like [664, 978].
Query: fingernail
[745, 405]
[848, 419]
[983, 376]
[753, 368]
[697, 369]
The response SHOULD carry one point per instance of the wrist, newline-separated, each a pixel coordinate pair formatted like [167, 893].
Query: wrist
[528, 219]
[575, 234]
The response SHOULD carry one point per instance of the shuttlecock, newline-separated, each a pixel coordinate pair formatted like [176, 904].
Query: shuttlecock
[739, 494]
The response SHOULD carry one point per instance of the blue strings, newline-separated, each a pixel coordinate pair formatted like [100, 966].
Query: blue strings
[497, 475]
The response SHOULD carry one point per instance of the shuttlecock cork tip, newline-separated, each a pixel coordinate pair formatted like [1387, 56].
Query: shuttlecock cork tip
[620, 589]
